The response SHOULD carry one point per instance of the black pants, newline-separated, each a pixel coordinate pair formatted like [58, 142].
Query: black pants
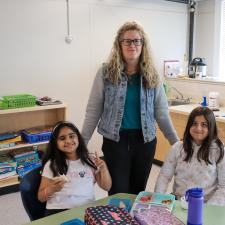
[129, 161]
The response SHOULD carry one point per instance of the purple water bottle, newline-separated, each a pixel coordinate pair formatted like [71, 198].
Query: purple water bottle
[195, 199]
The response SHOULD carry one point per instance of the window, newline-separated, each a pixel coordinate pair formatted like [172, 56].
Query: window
[222, 42]
[210, 36]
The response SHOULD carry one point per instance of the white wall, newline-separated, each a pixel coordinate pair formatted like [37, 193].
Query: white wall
[34, 57]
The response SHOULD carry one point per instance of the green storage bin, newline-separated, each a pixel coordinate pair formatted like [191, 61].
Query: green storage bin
[17, 101]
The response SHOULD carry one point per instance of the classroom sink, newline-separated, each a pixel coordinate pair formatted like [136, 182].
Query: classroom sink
[178, 101]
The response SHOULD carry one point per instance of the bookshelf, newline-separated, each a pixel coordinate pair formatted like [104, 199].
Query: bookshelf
[24, 118]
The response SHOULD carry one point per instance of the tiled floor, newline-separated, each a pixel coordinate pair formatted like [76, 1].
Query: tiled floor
[12, 211]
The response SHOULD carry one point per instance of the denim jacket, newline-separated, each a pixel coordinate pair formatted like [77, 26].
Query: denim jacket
[106, 106]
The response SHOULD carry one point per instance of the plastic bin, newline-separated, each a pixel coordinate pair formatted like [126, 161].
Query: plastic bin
[34, 138]
[73, 222]
[37, 134]
[17, 101]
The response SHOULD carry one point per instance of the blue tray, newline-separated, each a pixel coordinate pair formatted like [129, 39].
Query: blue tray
[73, 222]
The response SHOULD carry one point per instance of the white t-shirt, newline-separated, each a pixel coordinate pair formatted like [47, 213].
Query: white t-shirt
[78, 191]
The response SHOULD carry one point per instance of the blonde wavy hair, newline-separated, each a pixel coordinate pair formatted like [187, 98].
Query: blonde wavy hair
[116, 64]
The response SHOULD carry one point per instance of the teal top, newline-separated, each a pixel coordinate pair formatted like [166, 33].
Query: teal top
[131, 116]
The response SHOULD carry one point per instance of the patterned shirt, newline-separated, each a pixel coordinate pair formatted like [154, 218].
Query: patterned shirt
[190, 174]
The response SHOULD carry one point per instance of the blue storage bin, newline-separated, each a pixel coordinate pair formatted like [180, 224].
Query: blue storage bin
[34, 138]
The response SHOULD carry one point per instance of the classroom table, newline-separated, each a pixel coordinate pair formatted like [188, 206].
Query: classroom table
[212, 215]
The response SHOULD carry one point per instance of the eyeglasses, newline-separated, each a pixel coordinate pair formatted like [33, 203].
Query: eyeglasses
[71, 137]
[128, 42]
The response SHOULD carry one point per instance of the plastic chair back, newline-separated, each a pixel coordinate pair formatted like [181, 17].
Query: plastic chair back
[29, 185]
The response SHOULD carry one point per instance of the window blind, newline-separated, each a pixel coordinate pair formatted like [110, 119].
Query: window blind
[222, 50]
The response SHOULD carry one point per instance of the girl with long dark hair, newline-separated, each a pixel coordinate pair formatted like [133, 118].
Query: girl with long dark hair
[197, 161]
[69, 172]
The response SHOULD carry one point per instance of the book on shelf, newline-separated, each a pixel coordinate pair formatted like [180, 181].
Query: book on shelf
[8, 140]
[11, 140]
[25, 156]
[22, 152]
[7, 175]
[7, 169]
[6, 163]
[5, 158]
[9, 145]
[28, 160]
[8, 135]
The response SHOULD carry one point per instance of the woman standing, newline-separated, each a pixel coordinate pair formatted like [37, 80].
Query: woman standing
[125, 102]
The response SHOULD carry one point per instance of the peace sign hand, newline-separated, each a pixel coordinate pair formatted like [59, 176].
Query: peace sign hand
[101, 165]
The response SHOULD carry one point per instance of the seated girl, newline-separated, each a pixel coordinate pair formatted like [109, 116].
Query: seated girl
[197, 161]
[69, 172]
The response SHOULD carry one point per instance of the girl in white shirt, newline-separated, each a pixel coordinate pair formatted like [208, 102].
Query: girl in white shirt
[69, 172]
[197, 161]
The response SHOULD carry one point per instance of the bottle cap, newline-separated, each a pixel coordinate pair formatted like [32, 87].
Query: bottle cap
[204, 102]
[194, 192]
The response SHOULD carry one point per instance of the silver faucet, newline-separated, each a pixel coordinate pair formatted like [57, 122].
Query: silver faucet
[178, 92]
